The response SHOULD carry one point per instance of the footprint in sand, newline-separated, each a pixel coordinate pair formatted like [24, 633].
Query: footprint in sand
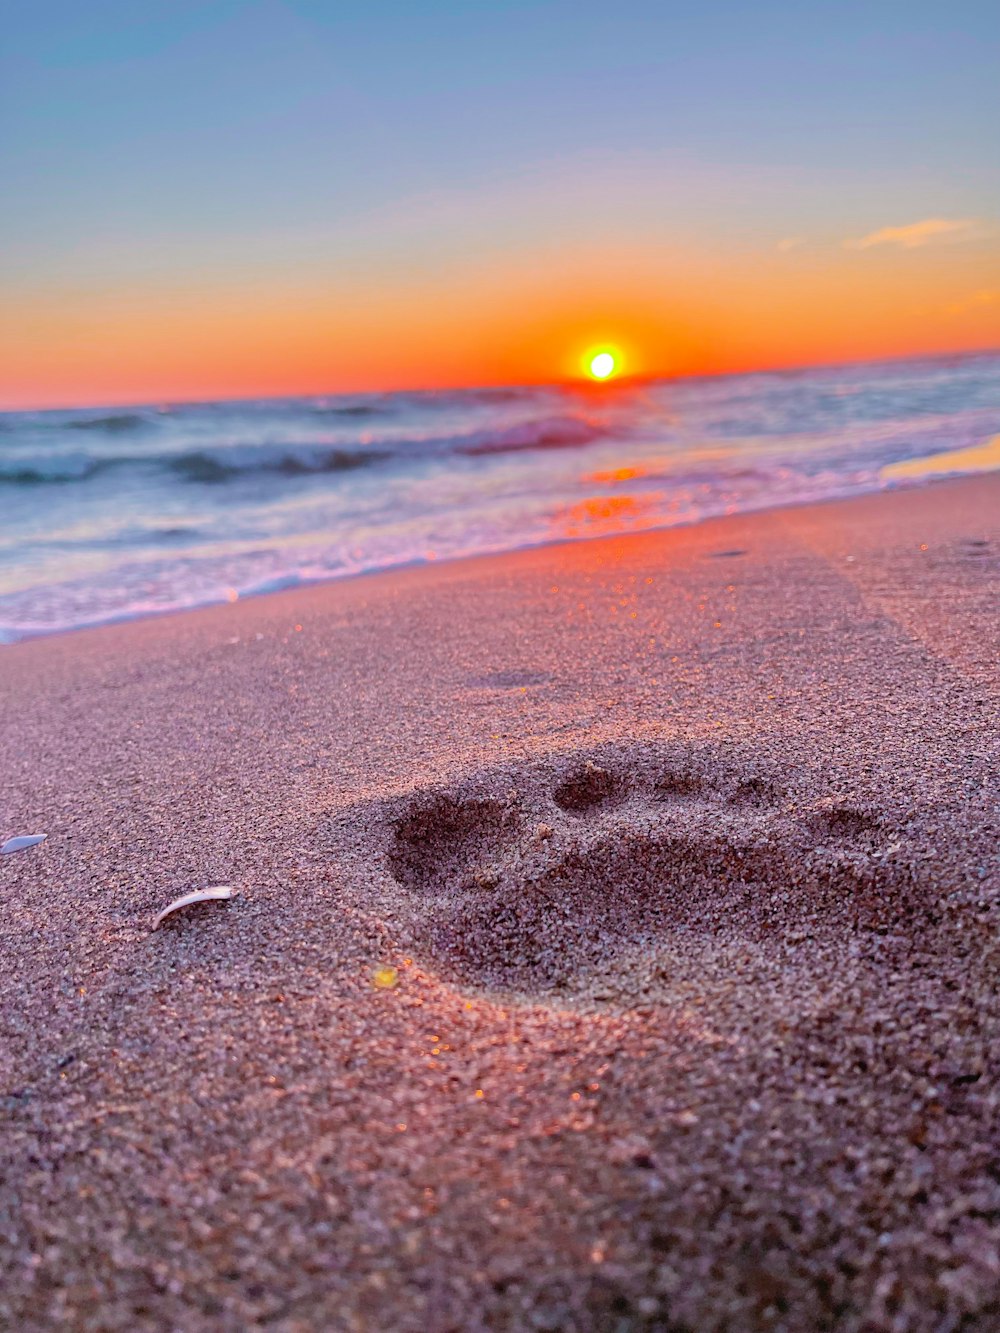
[559, 869]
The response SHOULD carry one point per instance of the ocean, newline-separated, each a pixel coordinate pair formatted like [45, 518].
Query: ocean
[120, 512]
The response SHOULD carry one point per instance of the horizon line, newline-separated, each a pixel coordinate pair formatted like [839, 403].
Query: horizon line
[576, 381]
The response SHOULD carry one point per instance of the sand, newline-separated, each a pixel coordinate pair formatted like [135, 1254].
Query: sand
[614, 942]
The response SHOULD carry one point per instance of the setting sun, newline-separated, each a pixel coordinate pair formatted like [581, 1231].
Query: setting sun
[602, 365]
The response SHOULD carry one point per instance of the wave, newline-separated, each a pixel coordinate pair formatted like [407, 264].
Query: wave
[116, 424]
[349, 410]
[26, 475]
[291, 460]
[547, 433]
[58, 468]
[222, 462]
[495, 396]
[208, 465]
[287, 460]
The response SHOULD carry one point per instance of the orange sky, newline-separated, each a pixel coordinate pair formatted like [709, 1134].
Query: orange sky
[518, 318]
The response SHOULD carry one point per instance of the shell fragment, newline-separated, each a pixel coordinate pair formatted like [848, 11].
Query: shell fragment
[219, 893]
[22, 842]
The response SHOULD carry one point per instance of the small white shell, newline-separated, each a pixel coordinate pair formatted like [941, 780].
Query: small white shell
[22, 841]
[217, 894]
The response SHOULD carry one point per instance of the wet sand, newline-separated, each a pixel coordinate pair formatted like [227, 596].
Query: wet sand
[676, 859]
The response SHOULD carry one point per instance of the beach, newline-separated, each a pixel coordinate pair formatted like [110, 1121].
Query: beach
[613, 944]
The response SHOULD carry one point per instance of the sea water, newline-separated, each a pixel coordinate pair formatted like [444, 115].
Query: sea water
[113, 513]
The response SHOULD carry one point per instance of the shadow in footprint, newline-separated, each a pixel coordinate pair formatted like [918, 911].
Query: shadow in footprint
[757, 793]
[444, 843]
[595, 904]
[833, 821]
[587, 789]
[678, 785]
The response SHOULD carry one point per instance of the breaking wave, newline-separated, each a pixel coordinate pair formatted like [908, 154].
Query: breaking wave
[221, 462]
[289, 461]
[549, 433]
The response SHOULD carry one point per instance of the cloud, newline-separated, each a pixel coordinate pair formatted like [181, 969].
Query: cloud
[790, 243]
[927, 232]
[984, 297]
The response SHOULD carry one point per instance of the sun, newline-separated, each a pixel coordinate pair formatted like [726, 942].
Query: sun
[602, 365]
[602, 361]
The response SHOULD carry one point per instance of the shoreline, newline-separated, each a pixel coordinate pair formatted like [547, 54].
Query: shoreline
[613, 941]
[298, 583]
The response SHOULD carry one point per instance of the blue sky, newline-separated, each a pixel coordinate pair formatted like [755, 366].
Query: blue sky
[210, 117]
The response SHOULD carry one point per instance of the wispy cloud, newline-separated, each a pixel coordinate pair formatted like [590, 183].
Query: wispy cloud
[790, 243]
[927, 232]
[984, 297]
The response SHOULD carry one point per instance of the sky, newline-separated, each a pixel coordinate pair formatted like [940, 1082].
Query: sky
[266, 197]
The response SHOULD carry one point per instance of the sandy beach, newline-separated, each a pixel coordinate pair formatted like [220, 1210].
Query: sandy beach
[614, 942]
